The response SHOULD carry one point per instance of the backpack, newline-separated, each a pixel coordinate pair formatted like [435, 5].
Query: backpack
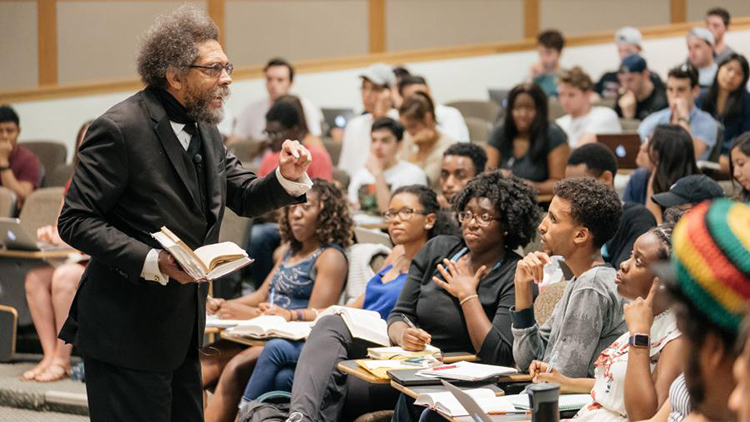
[270, 407]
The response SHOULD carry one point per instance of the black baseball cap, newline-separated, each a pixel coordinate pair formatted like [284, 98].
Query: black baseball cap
[692, 189]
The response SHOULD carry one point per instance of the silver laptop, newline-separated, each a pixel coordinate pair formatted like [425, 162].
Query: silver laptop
[15, 237]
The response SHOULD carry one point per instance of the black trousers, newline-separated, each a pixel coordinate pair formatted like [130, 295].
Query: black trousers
[117, 394]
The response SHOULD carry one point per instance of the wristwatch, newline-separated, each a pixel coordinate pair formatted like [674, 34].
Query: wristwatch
[642, 341]
[3, 168]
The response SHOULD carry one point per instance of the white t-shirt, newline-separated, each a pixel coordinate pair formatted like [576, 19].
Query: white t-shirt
[402, 174]
[451, 122]
[599, 121]
[252, 121]
[355, 147]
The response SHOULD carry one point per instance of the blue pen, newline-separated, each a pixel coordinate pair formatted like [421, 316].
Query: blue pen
[271, 296]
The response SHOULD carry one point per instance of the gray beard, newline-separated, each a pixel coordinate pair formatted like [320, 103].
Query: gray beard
[199, 106]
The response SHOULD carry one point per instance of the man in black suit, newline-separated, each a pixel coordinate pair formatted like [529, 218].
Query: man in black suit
[157, 159]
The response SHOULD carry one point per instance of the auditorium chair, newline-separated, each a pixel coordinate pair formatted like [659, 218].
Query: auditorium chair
[334, 150]
[479, 129]
[59, 176]
[7, 202]
[629, 125]
[41, 208]
[8, 324]
[50, 153]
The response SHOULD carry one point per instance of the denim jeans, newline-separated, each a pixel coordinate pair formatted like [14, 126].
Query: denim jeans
[275, 368]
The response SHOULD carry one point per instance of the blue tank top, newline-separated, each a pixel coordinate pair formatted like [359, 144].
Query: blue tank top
[381, 297]
[292, 285]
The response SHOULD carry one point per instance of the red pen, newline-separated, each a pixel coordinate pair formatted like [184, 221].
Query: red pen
[444, 367]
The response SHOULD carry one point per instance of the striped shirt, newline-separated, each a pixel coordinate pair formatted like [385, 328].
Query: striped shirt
[679, 399]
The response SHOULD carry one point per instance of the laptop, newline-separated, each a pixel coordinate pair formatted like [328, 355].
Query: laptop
[337, 117]
[475, 411]
[15, 237]
[625, 147]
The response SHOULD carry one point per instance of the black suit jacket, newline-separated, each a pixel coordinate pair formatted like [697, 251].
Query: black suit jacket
[131, 181]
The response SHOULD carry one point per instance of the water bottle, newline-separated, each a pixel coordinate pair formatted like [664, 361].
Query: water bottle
[543, 399]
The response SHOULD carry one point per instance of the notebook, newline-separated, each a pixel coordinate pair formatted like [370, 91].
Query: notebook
[566, 403]
[465, 402]
[467, 371]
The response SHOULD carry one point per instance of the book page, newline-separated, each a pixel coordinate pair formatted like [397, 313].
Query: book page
[468, 371]
[218, 253]
[229, 267]
[186, 249]
[182, 258]
[447, 403]
[258, 326]
[395, 351]
[365, 325]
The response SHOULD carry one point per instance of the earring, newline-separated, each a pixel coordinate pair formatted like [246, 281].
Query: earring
[427, 227]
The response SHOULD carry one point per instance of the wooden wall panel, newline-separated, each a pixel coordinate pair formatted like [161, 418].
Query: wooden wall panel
[98, 39]
[18, 45]
[577, 17]
[295, 29]
[415, 24]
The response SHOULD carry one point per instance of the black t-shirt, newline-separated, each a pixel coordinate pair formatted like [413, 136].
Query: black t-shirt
[635, 221]
[651, 104]
[525, 167]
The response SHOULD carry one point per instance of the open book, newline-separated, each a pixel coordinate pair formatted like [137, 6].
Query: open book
[207, 262]
[467, 371]
[362, 324]
[271, 326]
[446, 403]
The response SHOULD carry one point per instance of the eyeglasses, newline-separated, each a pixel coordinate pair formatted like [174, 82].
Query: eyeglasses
[272, 134]
[215, 70]
[404, 214]
[482, 220]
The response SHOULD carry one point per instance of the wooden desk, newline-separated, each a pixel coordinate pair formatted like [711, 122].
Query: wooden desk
[351, 367]
[242, 340]
[42, 255]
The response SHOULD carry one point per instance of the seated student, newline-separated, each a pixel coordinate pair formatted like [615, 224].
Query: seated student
[717, 21]
[370, 188]
[543, 73]
[670, 151]
[527, 145]
[449, 120]
[377, 83]
[643, 93]
[461, 163]
[700, 42]
[629, 42]
[319, 388]
[20, 169]
[49, 293]
[284, 121]
[740, 165]
[279, 75]
[688, 192]
[459, 290]
[739, 400]
[599, 162]
[426, 143]
[583, 215]
[728, 100]
[582, 122]
[682, 89]
[710, 289]
[632, 375]
[310, 275]
[400, 72]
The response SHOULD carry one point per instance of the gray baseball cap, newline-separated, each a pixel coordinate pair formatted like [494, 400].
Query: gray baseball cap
[380, 74]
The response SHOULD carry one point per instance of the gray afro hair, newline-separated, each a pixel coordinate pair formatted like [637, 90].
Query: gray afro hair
[172, 42]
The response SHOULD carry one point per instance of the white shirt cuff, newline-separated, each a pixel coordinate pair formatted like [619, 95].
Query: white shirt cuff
[151, 270]
[294, 189]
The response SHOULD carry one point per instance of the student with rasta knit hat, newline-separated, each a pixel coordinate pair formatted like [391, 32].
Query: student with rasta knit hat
[711, 290]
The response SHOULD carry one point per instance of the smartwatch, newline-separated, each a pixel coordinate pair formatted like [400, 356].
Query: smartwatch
[640, 340]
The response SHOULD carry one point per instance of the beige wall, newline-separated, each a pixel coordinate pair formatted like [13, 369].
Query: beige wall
[415, 24]
[98, 39]
[18, 45]
[257, 30]
[576, 17]
[698, 8]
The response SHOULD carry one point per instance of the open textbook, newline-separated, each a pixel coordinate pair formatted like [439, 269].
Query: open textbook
[362, 324]
[271, 326]
[207, 262]
[446, 403]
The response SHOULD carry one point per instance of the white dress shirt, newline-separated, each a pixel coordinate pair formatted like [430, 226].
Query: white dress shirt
[150, 269]
[251, 122]
[451, 122]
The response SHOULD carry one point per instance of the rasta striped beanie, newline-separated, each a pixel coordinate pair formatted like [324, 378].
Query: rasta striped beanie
[711, 260]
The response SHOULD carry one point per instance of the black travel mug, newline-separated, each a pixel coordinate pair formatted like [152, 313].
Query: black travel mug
[543, 401]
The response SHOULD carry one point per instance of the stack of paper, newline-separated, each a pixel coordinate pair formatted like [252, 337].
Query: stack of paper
[467, 371]
[399, 353]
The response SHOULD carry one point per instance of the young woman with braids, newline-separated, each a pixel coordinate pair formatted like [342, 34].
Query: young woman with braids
[632, 381]
[460, 289]
[413, 218]
[310, 276]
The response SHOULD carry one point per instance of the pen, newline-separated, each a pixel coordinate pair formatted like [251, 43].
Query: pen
[271, 296]
[552, 361]
[409, 323]
[440, 368]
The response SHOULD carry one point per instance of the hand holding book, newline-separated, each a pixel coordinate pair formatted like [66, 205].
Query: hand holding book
[170, 268]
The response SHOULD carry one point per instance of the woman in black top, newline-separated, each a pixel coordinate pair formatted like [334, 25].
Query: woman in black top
[459, 291]
[527, 144]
